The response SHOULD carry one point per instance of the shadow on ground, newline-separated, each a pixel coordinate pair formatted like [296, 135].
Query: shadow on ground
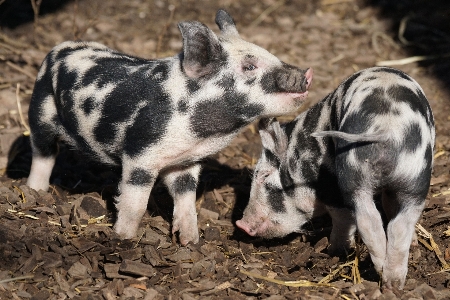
[423, 28]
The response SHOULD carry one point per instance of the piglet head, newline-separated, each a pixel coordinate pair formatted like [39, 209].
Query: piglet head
[245, 73]
[273, 209]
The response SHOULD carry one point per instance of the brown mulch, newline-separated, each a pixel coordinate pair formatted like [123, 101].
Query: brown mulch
[60, 245]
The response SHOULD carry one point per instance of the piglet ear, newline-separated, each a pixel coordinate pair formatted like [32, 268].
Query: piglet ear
[202, 52]
[226, 23]
[273, 137]
[265, 123]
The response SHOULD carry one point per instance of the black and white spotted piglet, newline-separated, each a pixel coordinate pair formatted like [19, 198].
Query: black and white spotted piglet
[373, 135]
[157, 116]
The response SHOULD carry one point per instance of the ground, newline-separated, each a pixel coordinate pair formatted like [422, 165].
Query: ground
[60, 245]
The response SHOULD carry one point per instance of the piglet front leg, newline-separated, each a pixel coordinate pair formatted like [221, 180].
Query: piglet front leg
[342, 236]
[182, 185]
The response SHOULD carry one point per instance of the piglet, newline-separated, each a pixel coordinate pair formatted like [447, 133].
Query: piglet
[374, 135]
[157, 117]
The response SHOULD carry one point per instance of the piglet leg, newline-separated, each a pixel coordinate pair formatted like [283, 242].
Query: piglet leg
[182, 186]
[400, 233]
[41, 169]
[342, 236]
[134, 192]
[370, 226]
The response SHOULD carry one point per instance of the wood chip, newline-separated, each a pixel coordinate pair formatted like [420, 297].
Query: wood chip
[136, 268]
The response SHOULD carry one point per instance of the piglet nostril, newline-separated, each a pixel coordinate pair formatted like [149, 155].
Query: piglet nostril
[304, 84]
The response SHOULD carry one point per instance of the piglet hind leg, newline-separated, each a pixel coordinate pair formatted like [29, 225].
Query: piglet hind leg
[182, 185]
[400, 233]
[370, 226]
[134, 192]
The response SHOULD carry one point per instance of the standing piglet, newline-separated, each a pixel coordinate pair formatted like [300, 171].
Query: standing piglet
[373, 135]
[157, 116]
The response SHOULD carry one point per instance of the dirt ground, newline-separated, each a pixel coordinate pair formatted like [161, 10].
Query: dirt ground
[59, 245]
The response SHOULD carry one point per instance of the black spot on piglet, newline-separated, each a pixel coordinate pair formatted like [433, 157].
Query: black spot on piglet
[413, 137]
[226, 82]
[276, 199]
[185, 183]
[140, 177]
[223, 115]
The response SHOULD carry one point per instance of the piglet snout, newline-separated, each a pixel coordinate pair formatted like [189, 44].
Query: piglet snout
[245, 227]
[307, 79]
[293, 81]
[254, 228]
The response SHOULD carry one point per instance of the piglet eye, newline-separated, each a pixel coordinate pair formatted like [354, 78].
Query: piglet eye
[249, 67]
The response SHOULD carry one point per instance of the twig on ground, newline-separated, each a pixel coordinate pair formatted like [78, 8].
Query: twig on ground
[331, 2]
[21, 214]
[355, 267]
[353, 264]
[434, 247]
[9, 48]
[16, 278]
[7, 40]
[384, 36]
[24, 199]
[401, 31]
[21, 70]
[36, 4]
[412, 59]
[336, 59]
[447, 232]
[19, 108]
[296, 283]
[139, 240]
[267, 12]
[439, 153]
[333, 273]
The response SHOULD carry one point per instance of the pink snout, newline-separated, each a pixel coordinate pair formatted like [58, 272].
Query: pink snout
[245, 227]
[308, 78]
[257, 229]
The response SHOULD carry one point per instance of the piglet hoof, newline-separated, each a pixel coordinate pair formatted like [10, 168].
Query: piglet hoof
[339, 247]
[188, 233]
[126, 232]
[393, 285]
[393, 281]
[414, 241]
[335, 251]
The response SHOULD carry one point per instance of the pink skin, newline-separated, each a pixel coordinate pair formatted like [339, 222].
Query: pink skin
[253, 231]
[257, 222]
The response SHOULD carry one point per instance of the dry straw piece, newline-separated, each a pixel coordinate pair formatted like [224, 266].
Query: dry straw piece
[296, 283]
[432, 246]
